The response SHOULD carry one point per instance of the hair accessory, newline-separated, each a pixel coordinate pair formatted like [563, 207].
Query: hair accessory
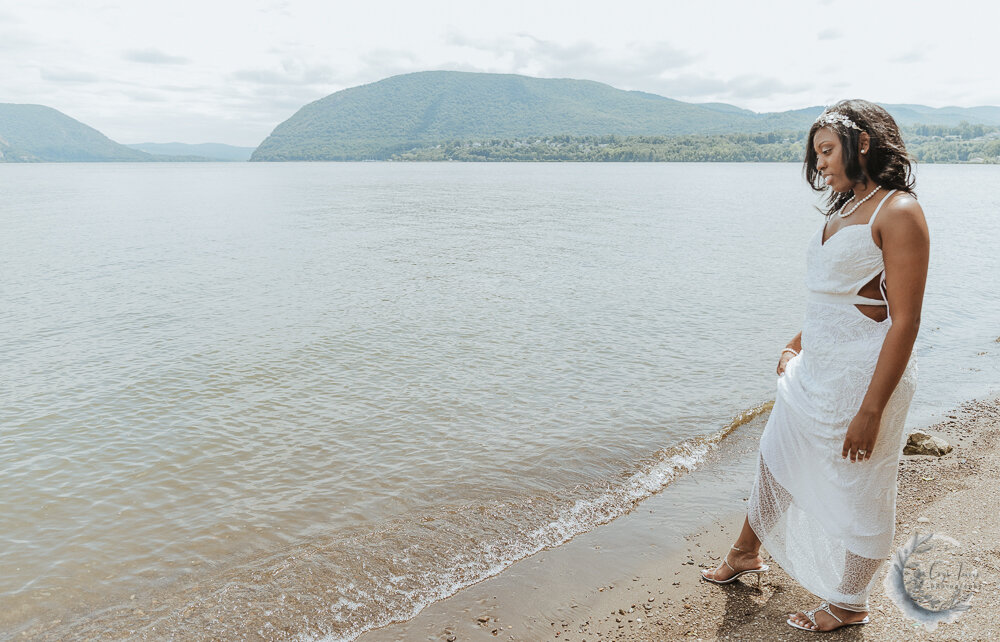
[836, 118]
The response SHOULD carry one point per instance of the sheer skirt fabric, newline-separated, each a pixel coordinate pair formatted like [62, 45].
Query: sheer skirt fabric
[827, 521]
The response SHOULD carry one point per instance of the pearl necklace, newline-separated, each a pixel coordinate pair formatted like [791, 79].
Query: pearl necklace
[841, 213]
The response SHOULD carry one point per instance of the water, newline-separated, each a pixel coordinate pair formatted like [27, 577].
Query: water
[308, 399]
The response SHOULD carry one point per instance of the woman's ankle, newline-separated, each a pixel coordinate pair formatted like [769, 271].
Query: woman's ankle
[842, 612]
[746, 551]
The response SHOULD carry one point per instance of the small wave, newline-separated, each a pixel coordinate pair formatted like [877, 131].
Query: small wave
[584, 515]
[336, 587]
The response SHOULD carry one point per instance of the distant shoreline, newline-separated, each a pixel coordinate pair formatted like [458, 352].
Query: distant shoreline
[963, 144]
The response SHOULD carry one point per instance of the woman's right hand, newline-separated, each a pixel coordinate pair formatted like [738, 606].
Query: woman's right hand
[791, 351]
[783, 361]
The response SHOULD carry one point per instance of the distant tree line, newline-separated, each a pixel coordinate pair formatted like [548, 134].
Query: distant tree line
[965, 143]
[926, 143]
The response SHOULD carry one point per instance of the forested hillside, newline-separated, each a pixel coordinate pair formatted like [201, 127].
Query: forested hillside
[476, 116]
[35, 133]
[398, 113]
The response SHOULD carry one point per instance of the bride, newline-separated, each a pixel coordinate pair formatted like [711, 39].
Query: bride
[824, 499]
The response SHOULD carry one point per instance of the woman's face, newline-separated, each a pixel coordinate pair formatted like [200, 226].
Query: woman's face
[830, 160]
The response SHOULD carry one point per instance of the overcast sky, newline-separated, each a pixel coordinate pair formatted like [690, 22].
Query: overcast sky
[231, 70]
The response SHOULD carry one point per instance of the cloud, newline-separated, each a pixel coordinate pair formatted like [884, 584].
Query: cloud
[70, 76]
[388, 58]
[652, 67]
[830, 34]
[144, 95]
[637, 66]
[583, 58]
[263, 77]
[187, 89]
[258, 97]
[153, 57]
[279, 7]
[291, 73]
[707, 88]
[909, 58]
[16, 39]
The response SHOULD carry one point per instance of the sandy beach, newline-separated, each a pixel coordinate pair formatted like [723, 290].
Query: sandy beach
[662, 598]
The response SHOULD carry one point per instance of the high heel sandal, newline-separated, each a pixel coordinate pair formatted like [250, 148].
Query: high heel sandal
[825, 606]
[754, 571]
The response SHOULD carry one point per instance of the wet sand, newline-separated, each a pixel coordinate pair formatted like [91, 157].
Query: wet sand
[656, 594]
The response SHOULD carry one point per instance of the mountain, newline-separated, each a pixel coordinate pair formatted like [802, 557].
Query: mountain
[203, 151]
[947, 116]
[35, 133]
[372, 121]
[382, 119]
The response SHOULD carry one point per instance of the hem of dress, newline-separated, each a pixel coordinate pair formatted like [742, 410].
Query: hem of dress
[763, 540]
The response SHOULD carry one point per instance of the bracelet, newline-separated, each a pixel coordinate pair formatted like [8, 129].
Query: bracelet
[790, 350]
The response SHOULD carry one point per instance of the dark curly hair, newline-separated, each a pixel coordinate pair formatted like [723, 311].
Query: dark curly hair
[887, 163]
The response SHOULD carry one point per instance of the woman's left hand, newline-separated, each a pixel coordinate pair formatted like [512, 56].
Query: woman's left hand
[861, 436]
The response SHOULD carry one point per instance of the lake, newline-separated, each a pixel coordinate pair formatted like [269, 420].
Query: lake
[324, 395]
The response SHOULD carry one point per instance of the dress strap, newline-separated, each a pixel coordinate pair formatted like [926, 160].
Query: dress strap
[884, 199]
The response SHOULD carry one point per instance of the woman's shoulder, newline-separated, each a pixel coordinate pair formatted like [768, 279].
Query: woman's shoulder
[901, 217]
[903, 203]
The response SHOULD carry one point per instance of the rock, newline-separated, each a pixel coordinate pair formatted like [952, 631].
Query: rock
[921, 443]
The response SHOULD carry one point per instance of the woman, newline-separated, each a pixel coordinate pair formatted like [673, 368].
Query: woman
[824, 499]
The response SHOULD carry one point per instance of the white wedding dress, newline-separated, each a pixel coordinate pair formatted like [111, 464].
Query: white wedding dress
[827, 521]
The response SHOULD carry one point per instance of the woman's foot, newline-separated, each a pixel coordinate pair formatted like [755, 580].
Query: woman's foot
[827, 618]
[737, 561]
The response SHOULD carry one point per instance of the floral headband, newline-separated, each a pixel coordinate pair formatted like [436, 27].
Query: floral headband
[834, 118]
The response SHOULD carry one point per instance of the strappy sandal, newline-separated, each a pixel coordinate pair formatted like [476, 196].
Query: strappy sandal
[754, 571]
[825, 606]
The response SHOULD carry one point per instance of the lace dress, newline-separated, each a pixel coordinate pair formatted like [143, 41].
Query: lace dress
[828, 522]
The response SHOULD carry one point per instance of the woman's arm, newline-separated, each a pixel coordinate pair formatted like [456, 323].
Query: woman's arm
[905, 249]
[794, 344]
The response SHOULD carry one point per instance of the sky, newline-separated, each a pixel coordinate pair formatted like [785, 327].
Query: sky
[230, 71]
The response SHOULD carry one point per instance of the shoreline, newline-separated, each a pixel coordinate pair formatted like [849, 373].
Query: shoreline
[659, 596]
